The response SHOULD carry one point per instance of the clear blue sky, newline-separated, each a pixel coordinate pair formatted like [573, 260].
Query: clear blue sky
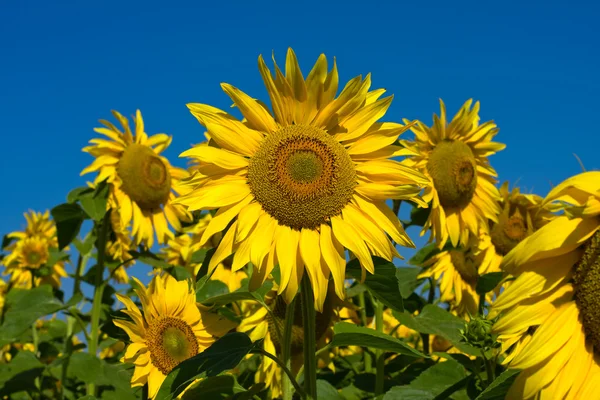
[64, 65]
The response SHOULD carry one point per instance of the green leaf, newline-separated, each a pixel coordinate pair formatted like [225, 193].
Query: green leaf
[325, 391]
[55, 255]
[23, 307]
[424, 254]
[198, 256]
[347, 334]
[407, 280]
[431, 383]
[211, 288]
[6, 240]
[180, 273]
[86, 246]
[435, 321]
[85, 367]
[214, 388]
[94, 204]
[76, 193]
[68, 218]
[150, 259]
[223, 355]
[241, 294]
[488, 282]
[498, 389]
[418, 216]
[88, 397]
[20, 373]
[382, 284]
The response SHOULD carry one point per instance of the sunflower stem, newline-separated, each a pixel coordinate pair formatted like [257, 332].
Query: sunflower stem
[98, 294]
[286, 347]
[489, 368]
[363, 318]
[284, 368]
[379, 354]
[310, 340]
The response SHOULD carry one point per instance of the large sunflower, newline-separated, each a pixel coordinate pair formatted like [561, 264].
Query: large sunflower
[143, 184]
[454, 155]
[550, 312]
[31, 251]
[305, 183]
[169, 330]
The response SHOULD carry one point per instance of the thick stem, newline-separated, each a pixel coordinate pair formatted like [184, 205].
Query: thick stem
[310, 340]
[98, 293]
[286, 344]
[363, 317]
[489, 369]
[379, 354]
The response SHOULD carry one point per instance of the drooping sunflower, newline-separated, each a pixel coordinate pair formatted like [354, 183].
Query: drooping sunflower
[457, 271]
[521, 215]
[305, 183]
[169, 329]
[31, 251]
[549, 313]
[462, 189]
[143, 183]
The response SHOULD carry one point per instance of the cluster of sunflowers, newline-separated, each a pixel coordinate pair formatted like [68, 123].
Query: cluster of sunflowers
[270, 262]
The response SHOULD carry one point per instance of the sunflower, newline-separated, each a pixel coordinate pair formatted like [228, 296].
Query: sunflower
[454, 155]
[549, 314]
[3, 290]
[169, 330]
[120, 244]
[306, 183]
[31, 251]
[143, 184]
[457, 271]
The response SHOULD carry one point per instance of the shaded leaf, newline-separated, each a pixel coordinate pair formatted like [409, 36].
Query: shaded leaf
[432, 382]
[382, 284]
[326, 391]
[407, 280]
[6, 240]
[68, 218]
[20, 373]
[424, 254]
[76, 193]
[150, 259]
[498, 389]
[347, 334]
[198, 256]
[211, 288]
[223, 355]
[435, 321]
[23, 307]
[94, 203]
[214, 388]
[85, 367]
[488, 282]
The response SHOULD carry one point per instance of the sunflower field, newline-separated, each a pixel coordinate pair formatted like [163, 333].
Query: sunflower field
[276, 262]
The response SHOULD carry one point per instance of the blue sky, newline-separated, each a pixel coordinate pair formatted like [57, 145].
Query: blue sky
[65, 64]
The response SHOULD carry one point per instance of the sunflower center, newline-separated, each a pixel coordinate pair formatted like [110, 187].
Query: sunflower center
[508, 232]
[464, 265]
[170, 341]
[586, 279]
[146, 178]
[33, 258]
[301, 176]
[453, 170]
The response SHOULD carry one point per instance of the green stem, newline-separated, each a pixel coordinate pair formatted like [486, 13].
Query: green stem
[379, 354]
[98, 293]
[489, 369]
[286, 347]
[363, 318]
[430, 298]
[36, 342]
[310, 340]
[284, 368]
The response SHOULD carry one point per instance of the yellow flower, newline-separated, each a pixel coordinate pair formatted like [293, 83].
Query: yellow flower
[169, 330]
[120, 244]
[3, 290]
[457, 271]
[306, 183]
[550, 311]
[455, 156]
[31, 251]
[143, 184]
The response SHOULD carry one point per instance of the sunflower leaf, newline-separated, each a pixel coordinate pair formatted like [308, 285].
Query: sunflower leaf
[382, 284]
[424, 254]
[68, 219]
[487, 282]
[222, 355]
[347, 334]
[498, 389]
[407, 280]
[20, 373]
[94, 203]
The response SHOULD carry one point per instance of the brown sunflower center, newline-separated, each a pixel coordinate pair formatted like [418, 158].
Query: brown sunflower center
[146, 178]
[453, 170]
[35, 255]
[464, 265]
[170, 341]
[586, 280]
[276, 321]
[508, 232]
[301, 176]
